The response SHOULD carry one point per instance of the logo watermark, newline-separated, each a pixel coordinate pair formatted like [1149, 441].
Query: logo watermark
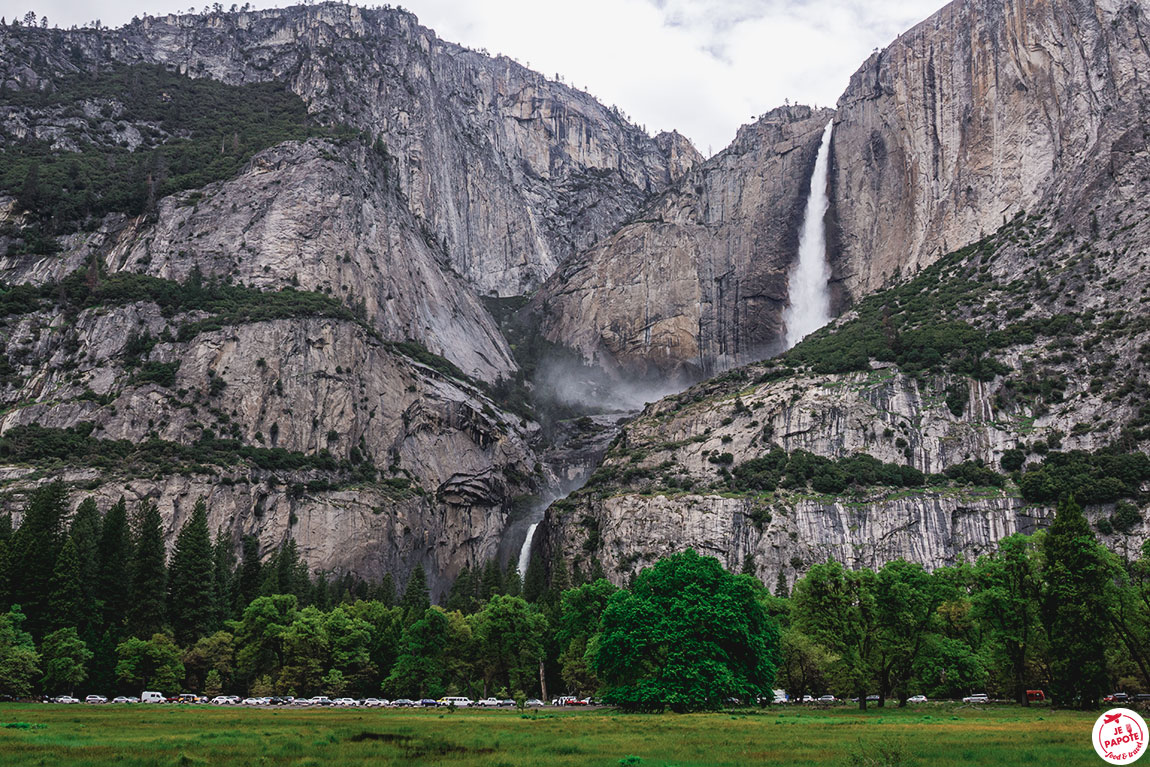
[1120, 736]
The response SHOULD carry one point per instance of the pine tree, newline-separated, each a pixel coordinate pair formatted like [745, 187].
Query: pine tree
[223, 580]
[387, 590]
[113, 578]
[85, 534]
[492, 580]
[248, 580]
[781, 590]
[535, 579]
[512, 583]
[415, 597]
[33, 552]
[460, 597]
[149, 577]
[597, 572]
[560, 582]
[292, 572]
[1074, 608]
[321, 592]
[749, 565]
[65, 595]
[191, 591]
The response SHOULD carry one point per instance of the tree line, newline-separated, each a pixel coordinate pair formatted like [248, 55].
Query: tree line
[92, 601]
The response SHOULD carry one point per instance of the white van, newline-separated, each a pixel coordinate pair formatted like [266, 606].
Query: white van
[456, 701]
[151, 697]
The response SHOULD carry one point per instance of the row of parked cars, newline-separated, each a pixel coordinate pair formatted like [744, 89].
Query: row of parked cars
[1122, 697]
[288, 700]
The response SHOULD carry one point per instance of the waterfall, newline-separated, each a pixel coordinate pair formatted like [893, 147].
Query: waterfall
[808, 300]
[525, 552]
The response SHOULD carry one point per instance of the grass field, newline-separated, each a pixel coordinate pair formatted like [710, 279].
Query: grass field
[179, 736]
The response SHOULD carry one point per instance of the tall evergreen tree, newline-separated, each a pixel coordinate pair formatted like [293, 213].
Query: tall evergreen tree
[65, 595]
[781, 590]
[32, 556]
[462, 590]
[292, 572]
[1074, 608]
[149, 576]
[85, 534]
[512, 583]
[535, 579]
[223, 580]
[387, 590]
[248, 580]
[492, 584]
[415, 597]
[113, 579]
[191, 591]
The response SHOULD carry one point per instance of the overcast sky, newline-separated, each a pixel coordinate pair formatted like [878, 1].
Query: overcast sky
[702, 66]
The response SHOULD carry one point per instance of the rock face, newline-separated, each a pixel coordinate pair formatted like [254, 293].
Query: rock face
[315, 216]
[309, 386]
[935, 529]
[698, 281]
[511, 172]
[976, 114]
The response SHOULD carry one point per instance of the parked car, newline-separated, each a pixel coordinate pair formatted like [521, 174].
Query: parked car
[1116, 697]
[124, 699]
[221, 700]
[534, 703]
[65, 699]
[344, 702]
[252, 701]
[916, 699]
[150, 696]
[373, 702]
[402, 702]
[95, 699]
[458, 701]
[828, 699]
[507, 703]
[320, 700]
[978, 697]
[808, 699]
[428, 703]
[1142, 697]
[488, 702]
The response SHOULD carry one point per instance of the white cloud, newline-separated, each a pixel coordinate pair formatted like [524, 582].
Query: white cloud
[701, 66]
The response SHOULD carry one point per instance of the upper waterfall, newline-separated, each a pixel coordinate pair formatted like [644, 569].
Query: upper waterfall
[808, 300]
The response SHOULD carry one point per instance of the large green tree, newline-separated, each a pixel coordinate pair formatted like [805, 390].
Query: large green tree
[906, 600]
[64, 657]
[85, 534]
[66, 605]
[1005, 600]
[421, 667]
[19, 661]
[509, 638]
[33, 553]
[146, 613]
[191, 590]
[580, 611]
[113, 584]
[260, 634]
[150, 663]
[836, 608]
[688, 635]
[1075, 608]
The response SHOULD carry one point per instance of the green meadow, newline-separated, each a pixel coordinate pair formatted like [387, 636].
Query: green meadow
[932, 734]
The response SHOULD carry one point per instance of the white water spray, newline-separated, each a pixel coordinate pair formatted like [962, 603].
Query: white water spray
[525, 552]
[809, 304]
